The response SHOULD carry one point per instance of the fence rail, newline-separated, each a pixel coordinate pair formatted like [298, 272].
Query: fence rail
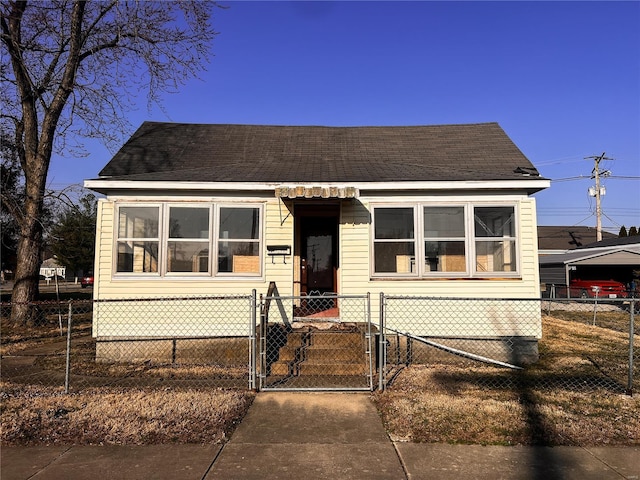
[222, 341]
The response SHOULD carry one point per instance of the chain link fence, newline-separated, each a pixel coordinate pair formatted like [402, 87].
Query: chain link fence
[498, 343]
[324, 342]
[174, 342]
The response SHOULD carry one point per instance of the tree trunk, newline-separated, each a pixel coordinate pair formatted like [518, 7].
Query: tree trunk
[27, 278]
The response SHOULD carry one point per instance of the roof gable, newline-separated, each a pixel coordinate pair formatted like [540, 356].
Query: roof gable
[181, 152]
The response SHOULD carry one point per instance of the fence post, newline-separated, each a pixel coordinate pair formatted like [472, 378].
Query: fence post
[382, 351]
[67, 369]
[631, 334]
[252, 343]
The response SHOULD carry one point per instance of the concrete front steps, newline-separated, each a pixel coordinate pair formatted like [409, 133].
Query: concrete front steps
[322, 352]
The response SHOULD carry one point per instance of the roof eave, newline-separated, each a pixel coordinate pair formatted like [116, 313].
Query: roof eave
[105, 185]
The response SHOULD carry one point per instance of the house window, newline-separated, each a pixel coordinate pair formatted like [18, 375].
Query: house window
[444, 239]
[189, 240]
[464, 240]
[239, 241]
[495, 241]
[394, 244]
[138, 240]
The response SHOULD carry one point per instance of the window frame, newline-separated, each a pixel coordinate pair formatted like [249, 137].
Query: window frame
[216, 241]
[163, 241]
[118, 240]
[414, 240]
[166, 239]
[470, 240]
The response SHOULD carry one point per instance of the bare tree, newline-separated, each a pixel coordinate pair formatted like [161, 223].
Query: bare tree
[74, 68]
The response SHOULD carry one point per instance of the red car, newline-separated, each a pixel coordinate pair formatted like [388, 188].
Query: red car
[86, 281]
[599, 288]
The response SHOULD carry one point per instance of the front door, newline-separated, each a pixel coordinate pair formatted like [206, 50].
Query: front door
[318, 255]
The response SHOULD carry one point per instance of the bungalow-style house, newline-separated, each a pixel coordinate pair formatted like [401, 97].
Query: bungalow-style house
[193, 209]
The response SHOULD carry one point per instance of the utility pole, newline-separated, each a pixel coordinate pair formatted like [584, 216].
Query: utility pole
[596, 174]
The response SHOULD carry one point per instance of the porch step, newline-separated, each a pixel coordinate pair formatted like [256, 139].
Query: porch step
[322, 353]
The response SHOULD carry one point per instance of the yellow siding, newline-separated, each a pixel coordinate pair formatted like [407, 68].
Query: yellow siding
[355, 272]
[353, 277]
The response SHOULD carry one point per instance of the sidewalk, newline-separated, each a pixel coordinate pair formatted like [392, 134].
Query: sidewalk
[317, 436]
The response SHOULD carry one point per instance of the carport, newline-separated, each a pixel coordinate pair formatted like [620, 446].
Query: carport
[614, 263]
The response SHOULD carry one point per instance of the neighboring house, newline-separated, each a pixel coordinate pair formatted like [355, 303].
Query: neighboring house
[553, 240]
[50, 268]
[438, 211]
[609, 259]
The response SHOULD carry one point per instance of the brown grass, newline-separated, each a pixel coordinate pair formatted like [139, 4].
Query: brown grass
[17, 338]
[438, 403]
[547, 406]
[40, 415]
[612, 320]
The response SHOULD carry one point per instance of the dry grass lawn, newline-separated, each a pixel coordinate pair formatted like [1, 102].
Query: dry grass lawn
[46, 416]
[551, 405]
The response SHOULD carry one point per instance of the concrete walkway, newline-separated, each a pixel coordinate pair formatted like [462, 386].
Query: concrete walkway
[317, 436]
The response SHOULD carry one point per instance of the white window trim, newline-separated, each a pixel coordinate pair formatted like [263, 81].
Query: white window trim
[259, 241]
[163, 241]
[117, 240]
[373, 241]
[469, 240]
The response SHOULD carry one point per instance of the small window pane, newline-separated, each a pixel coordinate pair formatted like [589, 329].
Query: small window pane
[137, 257]
[494, 222]
[239, 257]
[445, 257]
[138, 222]
[188, 222]
[393, 223]
[188, 257]
[394, 257]
[444, 222]
[240, 223]
[496, 256]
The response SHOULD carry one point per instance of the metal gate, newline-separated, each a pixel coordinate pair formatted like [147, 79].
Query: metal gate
[315, 342]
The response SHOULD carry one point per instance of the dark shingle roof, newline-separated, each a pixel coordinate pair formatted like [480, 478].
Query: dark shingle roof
[567, 237]
[263, 153]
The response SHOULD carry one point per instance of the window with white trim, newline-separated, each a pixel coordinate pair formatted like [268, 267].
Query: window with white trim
[193, 240]
[394, 243]
[444, 239]
[463, 240]
[138, 239]
[495, 239]
[239, 241]
[188, 240]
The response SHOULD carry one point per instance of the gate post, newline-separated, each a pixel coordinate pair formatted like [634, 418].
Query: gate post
[252, 343]
[382, 347]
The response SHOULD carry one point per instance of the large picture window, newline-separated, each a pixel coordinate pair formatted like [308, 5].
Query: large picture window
[464, 240]
[189, 240]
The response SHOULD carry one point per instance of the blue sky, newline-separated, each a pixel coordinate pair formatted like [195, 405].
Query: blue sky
[561, 78]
